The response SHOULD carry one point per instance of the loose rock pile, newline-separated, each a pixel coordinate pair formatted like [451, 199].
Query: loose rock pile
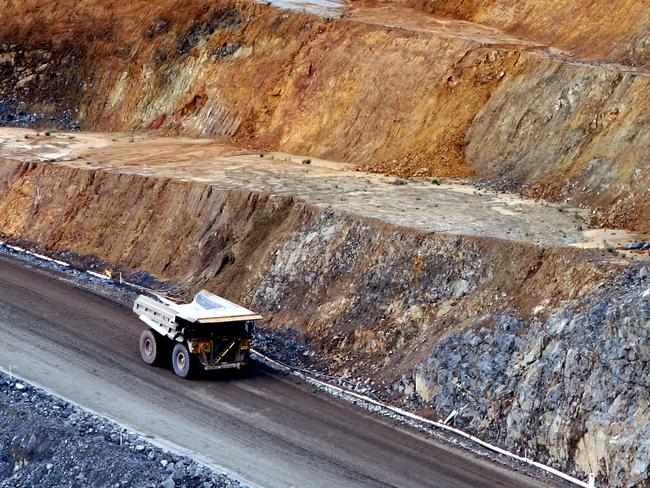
[14, 114]
[49, 443]
[22, 72]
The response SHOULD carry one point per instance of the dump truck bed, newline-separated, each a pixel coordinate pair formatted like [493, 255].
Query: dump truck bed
[206, 308]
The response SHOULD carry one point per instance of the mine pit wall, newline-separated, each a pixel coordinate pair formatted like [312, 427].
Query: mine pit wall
[255, 75]
[541, 350]
[596, 30]
[571, 133]
[405, 102]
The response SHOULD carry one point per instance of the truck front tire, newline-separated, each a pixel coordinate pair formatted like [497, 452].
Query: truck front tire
[183, 362]
[152, 347]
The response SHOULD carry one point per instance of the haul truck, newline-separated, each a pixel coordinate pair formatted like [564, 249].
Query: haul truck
[209, 333]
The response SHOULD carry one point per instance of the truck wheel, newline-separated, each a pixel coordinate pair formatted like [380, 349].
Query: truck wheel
[183, 362]
[152, 347]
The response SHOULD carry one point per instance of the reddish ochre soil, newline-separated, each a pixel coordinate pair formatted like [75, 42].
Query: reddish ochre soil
[538, 96]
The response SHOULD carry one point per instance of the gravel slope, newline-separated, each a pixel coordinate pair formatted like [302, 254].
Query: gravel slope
[49, 443]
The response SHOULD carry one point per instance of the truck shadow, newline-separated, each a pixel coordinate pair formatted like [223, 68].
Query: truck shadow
[252, 371]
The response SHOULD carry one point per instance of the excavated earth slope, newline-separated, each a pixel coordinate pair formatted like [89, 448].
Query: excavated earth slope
[542, 348]
[538, 107]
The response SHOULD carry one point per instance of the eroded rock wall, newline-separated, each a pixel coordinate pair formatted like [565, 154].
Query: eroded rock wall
[255, 75]
[597, 30]
[408, 100]
[570, 385]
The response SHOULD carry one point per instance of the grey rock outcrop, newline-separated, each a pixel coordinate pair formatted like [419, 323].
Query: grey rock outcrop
[572, 387]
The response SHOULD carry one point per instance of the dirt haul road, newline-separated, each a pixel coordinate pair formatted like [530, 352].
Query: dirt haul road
[265, 429]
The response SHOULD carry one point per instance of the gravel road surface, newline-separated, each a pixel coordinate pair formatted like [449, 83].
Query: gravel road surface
[266, 429]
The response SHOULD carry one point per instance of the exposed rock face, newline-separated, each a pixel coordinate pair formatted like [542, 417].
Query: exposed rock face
[14, 115]
[562, 145]
[596, 30]
[253, 74]
[572, 384]
[542, 350]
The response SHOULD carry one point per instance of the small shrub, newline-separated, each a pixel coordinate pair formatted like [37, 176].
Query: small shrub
[435, 181]
[261, 155]
[48, 133]
[306, 161]
[26, 136]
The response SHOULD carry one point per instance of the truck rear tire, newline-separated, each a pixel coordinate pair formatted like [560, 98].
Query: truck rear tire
[152, 347]
[183, 362]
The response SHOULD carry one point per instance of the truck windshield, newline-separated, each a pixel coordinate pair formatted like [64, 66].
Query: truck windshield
[207, 302]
